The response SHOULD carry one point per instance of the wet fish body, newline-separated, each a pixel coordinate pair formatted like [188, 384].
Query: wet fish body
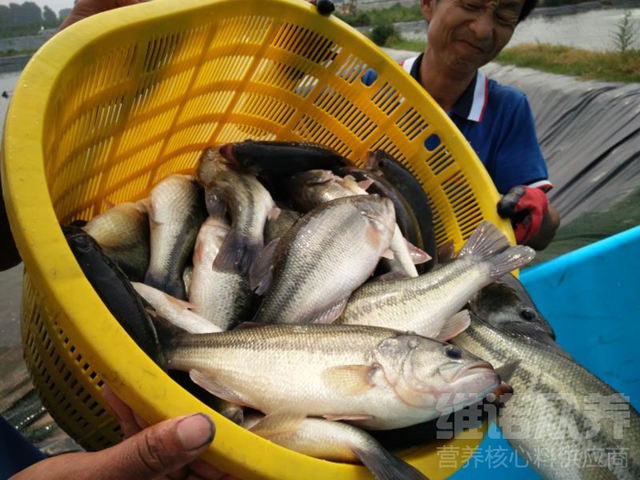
[176, 211]
[411, 190]
[115, 290]
[550, 413]
[336, 245]
[374, 377]
[223, 297]
[333, 441]
[274, 159]
[246, 200]
[277, 227]
[425, 304]
[176, 311]
[123, 234]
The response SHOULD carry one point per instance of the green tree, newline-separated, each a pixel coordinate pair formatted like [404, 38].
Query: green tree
[49, 16]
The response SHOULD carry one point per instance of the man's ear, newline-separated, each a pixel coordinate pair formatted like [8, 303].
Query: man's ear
[427, 7]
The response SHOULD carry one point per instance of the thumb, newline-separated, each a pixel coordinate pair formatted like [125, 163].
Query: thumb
[157, 450]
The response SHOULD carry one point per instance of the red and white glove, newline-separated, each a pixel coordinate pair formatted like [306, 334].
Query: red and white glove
[526, 207]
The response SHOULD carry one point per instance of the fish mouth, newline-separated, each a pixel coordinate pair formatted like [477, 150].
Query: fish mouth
[474, 368]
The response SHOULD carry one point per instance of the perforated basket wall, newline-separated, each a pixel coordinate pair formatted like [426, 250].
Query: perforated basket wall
[111, 106]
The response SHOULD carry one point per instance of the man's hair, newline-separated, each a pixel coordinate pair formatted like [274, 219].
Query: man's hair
[527, 8]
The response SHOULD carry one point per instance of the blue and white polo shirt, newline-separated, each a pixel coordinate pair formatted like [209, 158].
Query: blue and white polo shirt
[498, 123]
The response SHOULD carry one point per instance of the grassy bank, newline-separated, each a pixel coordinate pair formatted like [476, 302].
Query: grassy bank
[14, 53]
[575, 62]
[584, 64]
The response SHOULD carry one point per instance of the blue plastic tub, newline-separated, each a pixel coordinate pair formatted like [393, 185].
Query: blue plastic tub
[591, 298]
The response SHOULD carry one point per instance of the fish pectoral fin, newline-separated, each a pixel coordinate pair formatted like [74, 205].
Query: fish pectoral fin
[348, 418]
[385, 277]
[279, 424]
[274, 213]
[330, 314]
[388, 254]
[454, 326]
[507, 370]
[261, 271]
[418, 256]
[364, 184]
[215, 388]
[237, 253]
[349, 379]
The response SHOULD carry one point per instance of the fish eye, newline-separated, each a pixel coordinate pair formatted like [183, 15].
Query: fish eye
[527, 313]
[453, 352]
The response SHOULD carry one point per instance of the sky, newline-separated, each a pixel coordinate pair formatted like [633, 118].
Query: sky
[55, 5]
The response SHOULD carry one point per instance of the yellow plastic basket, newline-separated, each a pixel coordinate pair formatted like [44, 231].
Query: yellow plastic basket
[114, 104]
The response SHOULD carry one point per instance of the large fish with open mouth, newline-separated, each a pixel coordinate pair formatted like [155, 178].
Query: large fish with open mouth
[309, 274]
[563, 420]
[374, 377]
[176, 211]
[246, 200]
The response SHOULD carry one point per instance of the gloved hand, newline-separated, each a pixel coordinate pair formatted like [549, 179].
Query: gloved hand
[526, 207]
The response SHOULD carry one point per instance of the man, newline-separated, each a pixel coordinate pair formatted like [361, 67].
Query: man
[463, 36]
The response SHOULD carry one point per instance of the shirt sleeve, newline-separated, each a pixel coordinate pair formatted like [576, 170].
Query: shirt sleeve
[519, 160]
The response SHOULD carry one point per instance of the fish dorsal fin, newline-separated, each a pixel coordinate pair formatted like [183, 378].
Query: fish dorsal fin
[485, 242]
[349, 379]
[446, 252]
[261, 271]
[215, 388]
[279, 424]
[454, 326]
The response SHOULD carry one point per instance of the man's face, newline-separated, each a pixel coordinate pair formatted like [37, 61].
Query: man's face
[467, 34]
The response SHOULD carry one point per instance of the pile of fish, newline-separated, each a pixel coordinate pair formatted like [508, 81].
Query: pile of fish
[305, 295]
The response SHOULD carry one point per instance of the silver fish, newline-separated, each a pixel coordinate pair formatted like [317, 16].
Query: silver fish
[277, 227]
[123, 233]
[327, 254]
[248, 203]
[176, 211]
[315, 187]
[552, 414]
[376, 378]
[428, 305]
[176, 311]
[333, 441]
[223, 297]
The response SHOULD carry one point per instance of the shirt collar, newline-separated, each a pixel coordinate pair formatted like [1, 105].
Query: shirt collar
[471, 104]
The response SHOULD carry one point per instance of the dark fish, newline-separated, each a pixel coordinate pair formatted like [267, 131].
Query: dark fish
[281, 159]
[115, 290]
[559, 409]
[411, 189]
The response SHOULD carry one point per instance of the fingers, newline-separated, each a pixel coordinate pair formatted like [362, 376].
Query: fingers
[507, 206]
[157, 451]
[125, 416]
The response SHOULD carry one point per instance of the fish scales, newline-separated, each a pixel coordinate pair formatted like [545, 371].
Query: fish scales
[547, 421]
[337, 245]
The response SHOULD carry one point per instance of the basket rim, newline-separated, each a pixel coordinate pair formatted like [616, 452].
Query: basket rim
[43, 247]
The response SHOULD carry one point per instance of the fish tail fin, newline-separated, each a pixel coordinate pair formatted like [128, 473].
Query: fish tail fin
[384, 465]
[237, 253]
[513, 258]
[485, 242]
